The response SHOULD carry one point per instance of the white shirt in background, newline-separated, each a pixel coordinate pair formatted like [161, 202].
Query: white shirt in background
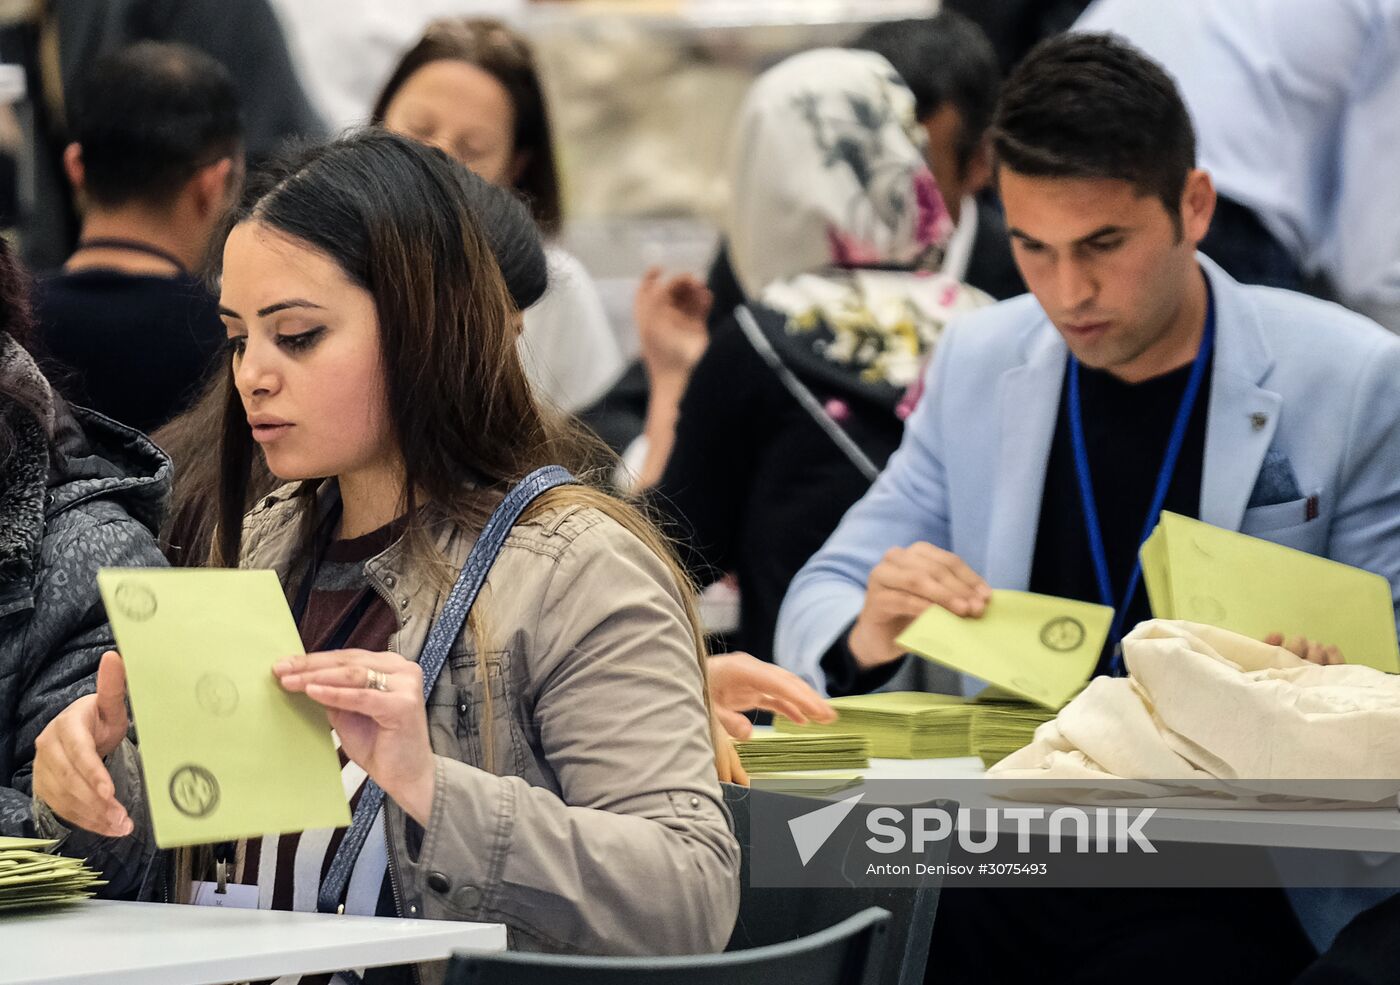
[570, 351]
[1296, 105]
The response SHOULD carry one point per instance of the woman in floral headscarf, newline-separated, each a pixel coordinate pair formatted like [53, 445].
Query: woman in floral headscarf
[836, 230]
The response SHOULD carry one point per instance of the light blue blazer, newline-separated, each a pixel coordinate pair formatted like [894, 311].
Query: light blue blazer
[1304, 401]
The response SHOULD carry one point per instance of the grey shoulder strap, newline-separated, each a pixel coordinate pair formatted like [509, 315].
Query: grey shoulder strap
[749, 326]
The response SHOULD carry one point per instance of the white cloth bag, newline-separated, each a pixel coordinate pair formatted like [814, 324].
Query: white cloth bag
[1208, 717]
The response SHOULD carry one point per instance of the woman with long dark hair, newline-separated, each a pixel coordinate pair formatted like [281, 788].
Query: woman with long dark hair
[470, 87]
[561, 778]
[188, 535]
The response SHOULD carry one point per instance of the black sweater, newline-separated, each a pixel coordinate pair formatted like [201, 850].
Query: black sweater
[754, 486]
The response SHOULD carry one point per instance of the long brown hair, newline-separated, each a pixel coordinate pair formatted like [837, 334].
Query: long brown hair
[396, 216]
[187, 539]
[506, 56]
[188, 535]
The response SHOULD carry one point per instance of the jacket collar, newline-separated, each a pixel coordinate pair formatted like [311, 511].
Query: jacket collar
[1243, 414]
[273, 537]
[1240, 425]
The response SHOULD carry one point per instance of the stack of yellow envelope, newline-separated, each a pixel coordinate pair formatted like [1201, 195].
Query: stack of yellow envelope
[1200, 573]
[769, 752]
[899, 724]
[807, 783]
[1002, 723]
[31, 877]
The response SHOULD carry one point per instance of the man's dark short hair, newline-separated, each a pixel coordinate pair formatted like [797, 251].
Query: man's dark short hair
[942, 59]
[1093, 106]
[148, 117]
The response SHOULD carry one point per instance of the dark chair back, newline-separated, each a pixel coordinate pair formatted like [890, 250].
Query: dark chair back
[846, 954]
[769, 915]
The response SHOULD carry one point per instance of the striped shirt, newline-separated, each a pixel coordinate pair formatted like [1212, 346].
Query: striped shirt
[288, 869]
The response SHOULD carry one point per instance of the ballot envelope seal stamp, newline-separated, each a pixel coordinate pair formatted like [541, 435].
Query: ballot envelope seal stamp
[194, 791]
[135, 601]
[216, 694]
[1063, 634]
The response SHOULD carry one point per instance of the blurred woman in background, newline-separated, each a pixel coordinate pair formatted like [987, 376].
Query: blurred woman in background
[759, 439]
[470, 87]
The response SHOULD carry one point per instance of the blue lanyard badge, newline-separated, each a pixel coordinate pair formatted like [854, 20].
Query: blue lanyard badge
[1159, 496]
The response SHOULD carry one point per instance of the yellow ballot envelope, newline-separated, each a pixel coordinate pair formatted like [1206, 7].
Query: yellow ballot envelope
[226, 752]
[1039, 647]
[1201, 573]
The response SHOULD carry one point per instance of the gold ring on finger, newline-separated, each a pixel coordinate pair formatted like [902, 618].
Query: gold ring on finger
[377, 680]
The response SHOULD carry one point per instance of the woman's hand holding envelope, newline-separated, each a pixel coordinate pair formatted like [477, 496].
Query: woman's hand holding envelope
[69, 775]
[375, 704]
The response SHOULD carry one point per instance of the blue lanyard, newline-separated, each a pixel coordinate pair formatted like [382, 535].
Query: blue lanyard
[441, 637]
[1159, 496]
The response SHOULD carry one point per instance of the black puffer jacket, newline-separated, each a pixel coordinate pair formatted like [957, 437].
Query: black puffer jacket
[78, 492]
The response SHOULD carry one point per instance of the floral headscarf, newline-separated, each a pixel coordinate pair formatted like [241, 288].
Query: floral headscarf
[835, 219]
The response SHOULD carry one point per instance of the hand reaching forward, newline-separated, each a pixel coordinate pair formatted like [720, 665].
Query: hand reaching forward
[740, 683]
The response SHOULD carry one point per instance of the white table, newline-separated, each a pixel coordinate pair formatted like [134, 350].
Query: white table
[158, 944]
[1376, 830]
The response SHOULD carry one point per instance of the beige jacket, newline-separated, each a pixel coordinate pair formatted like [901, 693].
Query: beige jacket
[603, 829]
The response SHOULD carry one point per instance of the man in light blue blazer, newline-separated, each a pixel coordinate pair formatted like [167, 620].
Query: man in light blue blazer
[1302, 426]
[1054, 427]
